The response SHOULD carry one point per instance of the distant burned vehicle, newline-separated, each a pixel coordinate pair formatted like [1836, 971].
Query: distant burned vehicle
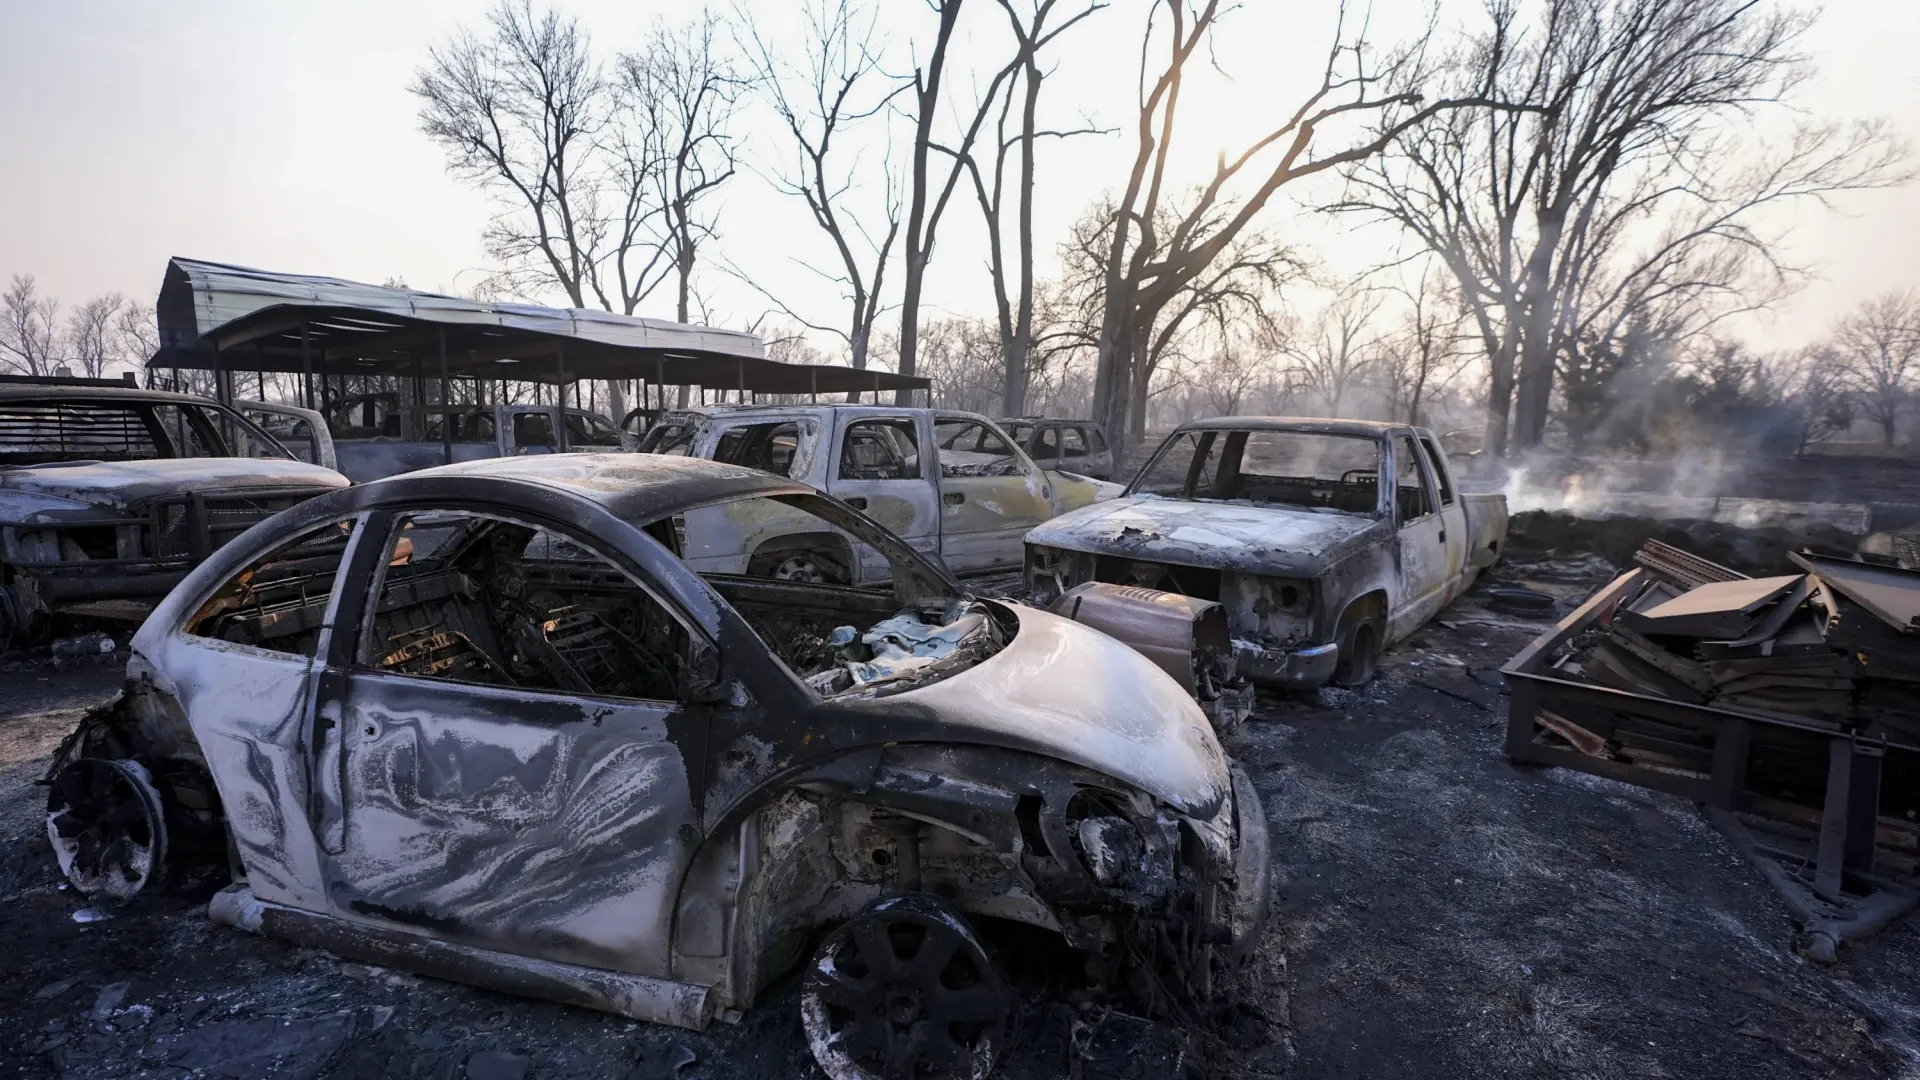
[951, 484]
[487, 722]
[1325, 540]
[375, 435]
[109, 494]
[1076, 446]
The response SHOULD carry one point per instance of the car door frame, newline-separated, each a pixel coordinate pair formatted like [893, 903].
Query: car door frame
[1001, 546]
[921, 495]
[1454, 514]
[766, 689]
[1421, 570]
[321, 438]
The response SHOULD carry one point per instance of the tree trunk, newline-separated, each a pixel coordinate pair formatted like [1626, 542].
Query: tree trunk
[1016, 395]
[1535, 378]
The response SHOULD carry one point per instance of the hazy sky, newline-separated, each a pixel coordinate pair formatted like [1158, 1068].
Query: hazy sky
[282, 136]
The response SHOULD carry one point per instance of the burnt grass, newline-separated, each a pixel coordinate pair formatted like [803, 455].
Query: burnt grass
[1438, 912]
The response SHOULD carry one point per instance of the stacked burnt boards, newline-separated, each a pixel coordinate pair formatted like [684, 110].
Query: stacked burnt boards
[1836, 644]
[1835, 649]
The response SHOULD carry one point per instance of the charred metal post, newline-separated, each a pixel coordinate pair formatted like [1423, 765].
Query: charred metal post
[306, 366]
[446, 401]
[560, 396]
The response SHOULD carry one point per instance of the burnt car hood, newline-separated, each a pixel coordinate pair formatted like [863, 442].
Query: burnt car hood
[1258, 539]
[1070, 692]
[122, 484]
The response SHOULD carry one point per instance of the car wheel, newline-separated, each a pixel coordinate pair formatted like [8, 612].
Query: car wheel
[904, 989]
[1359, 653]
[808, 567]
[107, 827]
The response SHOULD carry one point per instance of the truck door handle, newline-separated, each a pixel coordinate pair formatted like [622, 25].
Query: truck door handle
[858, 502]
[1443, 536]
[954, 498]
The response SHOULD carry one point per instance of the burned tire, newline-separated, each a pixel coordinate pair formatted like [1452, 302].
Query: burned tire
[808, 566]
[904, 989]
[1359, 640]
[107, 826]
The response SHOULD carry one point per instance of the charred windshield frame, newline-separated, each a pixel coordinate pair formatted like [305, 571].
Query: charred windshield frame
[1215, 461]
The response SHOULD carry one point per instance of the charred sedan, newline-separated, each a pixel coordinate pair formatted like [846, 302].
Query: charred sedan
[484, 722]
[1325, 540]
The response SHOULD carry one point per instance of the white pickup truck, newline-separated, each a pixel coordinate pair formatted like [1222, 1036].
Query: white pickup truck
[951, 484]
[1325, 540]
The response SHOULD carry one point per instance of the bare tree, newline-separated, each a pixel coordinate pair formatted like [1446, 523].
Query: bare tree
[679, 95]
[1423, 352]
[922, 223]
[1146, 266]
[818, 103]
[1014, 293]
[1232, 373]
[29, 327]
[1339, 350]
[1813, 383]
[518, 112]
[1880, 345]
[1612, 187]
[137, 331]
[91, 341]
[1237, 283]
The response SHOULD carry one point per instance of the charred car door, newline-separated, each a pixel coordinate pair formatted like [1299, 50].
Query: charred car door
[1422, 541]
[245, 664]
[522, 740]
[882, 467]
[1453, 516]
[991, 496]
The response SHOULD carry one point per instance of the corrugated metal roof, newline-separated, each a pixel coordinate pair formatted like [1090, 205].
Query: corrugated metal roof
[222, 295]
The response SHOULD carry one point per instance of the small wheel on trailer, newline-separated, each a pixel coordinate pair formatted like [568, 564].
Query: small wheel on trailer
[904, 989]
[107, 826]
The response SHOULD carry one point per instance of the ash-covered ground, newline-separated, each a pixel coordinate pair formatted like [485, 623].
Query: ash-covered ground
[1439, 913]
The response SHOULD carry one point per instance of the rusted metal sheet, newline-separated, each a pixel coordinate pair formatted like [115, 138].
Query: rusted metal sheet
[1185, 637]
[1889, 592]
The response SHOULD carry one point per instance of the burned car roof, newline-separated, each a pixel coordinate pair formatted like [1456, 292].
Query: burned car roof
[636, 487]
[38, 392]
[1368, 428]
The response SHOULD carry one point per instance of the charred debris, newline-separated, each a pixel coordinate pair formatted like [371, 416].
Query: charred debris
[1788, 705]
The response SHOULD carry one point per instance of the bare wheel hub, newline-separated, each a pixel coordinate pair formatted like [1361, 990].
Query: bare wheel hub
[904, 990]
[803, 568]
[108, 830]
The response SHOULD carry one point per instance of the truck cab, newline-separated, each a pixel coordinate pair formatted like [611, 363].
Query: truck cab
[951, 484]
[1326, 540]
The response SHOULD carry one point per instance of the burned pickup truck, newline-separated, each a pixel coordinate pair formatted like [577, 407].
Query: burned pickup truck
[1325, 540]
[109, 494]
[951, 484]
[487, 722]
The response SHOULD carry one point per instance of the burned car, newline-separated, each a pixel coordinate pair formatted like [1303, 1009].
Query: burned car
[485, 722]
[1325, 540]
[109, 494]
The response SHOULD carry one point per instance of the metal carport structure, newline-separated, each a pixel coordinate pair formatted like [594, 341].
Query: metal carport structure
[226, 319]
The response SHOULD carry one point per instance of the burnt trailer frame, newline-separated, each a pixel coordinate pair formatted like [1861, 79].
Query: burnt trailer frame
[1821, 851]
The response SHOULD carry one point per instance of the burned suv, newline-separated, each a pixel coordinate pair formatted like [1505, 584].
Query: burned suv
[487, 722]
[109, 494]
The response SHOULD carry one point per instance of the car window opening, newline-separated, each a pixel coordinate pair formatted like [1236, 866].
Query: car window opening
[837, 638]
[1313, 470]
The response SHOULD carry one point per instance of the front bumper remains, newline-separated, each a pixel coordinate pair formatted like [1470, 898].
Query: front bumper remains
[1299, 668]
